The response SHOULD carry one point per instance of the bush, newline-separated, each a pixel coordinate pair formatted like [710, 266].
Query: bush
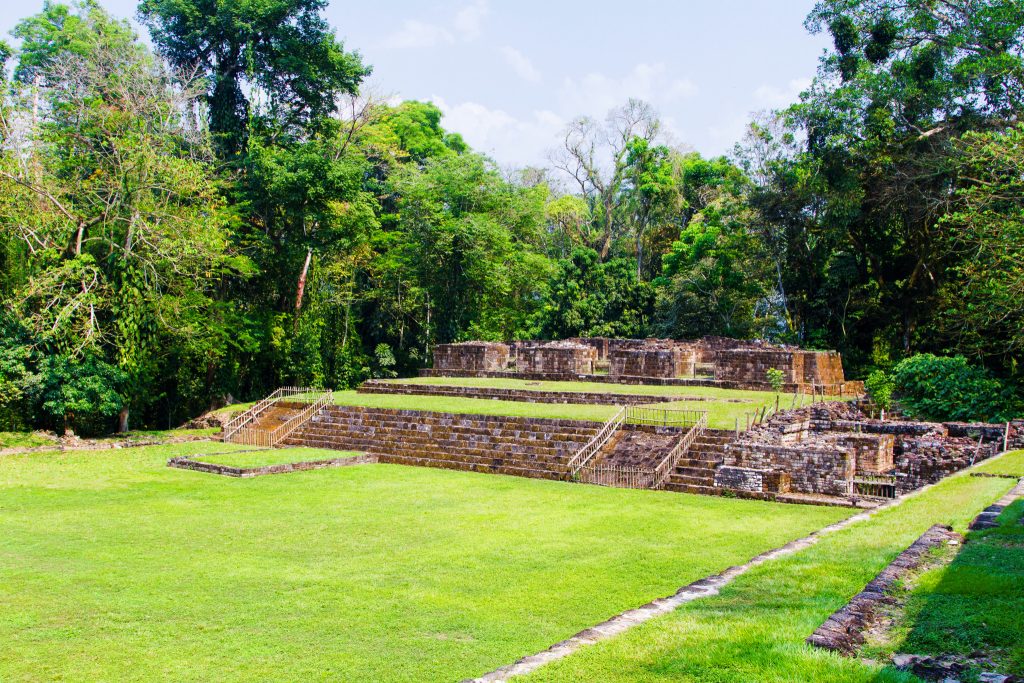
[943, 388]
[880, 387]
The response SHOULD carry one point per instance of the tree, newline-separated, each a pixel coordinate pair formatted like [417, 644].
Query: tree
[281, 51]
[596, 157]
[114, 209]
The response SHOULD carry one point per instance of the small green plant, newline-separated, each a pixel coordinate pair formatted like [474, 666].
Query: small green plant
[776, 378]
[879, 386]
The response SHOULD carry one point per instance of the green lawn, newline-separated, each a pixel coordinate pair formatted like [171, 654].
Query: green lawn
[23, 440]
[218, 455]
[116, 567]
[975, 603]
[725, 406]
[1011, 463]
[754, 630]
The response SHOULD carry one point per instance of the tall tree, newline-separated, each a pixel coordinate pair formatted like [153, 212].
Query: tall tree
[281, 51]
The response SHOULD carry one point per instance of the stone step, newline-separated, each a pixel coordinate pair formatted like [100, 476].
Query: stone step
[511, 429]
[439, 451]
[558, 447]
[694, 472]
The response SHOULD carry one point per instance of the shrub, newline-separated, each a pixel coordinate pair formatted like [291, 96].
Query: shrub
[880, 387]
[776, 378]
[944, 388]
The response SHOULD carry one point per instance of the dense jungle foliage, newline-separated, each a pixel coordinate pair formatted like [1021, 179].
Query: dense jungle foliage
[230, 213]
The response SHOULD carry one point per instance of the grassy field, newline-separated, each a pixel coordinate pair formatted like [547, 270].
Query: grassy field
[974, 603]
[116, 567]
[272, 456]
[23, 440]
[1010, 464]
[754, 630]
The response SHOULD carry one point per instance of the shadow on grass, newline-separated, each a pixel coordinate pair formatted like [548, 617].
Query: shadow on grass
[974, 606]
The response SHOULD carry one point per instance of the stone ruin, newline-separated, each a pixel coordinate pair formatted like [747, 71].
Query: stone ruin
[650, 358]
[728, 363]
[832, 449]
[472, 356]
[556, 358]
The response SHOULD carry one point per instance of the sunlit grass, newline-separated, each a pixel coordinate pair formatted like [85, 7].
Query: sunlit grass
[116, 567]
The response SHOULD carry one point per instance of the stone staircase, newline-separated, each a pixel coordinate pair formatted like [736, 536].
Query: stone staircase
[696, 472]
[527, 447]
[638, 446]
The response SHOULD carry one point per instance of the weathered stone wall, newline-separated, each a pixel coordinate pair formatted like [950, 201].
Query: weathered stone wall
[873, 452]
[823, 367]
[471, 356]
[812, 468]
[925, 460]
[752, 480]
[752, 365]
[654, 360]
[556, 358]
[599, 344]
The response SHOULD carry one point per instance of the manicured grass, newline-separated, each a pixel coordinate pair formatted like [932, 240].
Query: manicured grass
[1011, 463]
[476, 406]
[116, 567]
[23, 440]
[975, 603]
[272, 456]
[754, 630]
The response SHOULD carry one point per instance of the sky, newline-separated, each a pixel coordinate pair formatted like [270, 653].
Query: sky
[509, 76]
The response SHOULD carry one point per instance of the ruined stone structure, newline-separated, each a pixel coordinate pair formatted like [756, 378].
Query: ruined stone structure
[556, 358]
[750, 366]
[711, 361]
[832, 449]
[472, 356]
[651, 358]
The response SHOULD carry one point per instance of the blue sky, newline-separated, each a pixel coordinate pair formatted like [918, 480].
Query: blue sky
[509, 75]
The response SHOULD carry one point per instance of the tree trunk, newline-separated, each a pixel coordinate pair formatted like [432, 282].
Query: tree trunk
[302, 284]
[122, 420]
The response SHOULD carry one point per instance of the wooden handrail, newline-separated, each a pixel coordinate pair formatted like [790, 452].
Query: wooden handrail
[664, 469]
[238, 429]
[595, 444]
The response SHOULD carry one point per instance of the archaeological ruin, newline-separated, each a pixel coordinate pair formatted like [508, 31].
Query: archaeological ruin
[728, 363]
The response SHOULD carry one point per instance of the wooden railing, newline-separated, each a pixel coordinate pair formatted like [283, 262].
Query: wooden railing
[617, 476]
[592, 447]
[246, 433]
[663, 417]
[631, 477]
[878, 486]
[240, 421]
[664, 469]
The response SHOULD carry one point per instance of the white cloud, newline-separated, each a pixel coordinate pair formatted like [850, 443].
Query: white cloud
[505, 137]
[414, 34]
[465, 25]
[596, 93]
[521, 64]
[469, 19]
[775, 97]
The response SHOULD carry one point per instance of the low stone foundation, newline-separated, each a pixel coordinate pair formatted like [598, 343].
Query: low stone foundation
[186, 463]
[752, 480]
[844, 631]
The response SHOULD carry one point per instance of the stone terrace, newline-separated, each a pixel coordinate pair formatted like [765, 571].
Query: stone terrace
[529, 447]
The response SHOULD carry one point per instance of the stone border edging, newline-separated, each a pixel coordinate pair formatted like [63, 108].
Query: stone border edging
[108, 445]
[706, 587]
[987, 518]
[184, 462]
[843, 631]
